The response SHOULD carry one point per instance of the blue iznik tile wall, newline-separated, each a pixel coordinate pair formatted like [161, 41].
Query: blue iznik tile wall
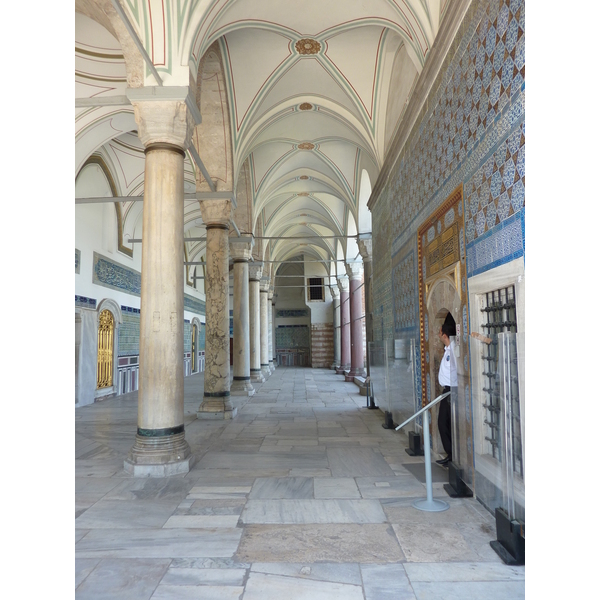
[470, 132]
[473, 129]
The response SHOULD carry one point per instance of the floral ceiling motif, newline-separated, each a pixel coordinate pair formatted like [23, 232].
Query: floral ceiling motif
[307, 46]
[306, 146]
[306, 106]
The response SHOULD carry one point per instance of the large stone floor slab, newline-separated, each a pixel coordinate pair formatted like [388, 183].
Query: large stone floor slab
[374, 543]
[274, 587]
[312, 511]
[158, 543]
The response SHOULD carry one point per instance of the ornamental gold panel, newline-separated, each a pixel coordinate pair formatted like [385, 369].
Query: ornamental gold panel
[106, 328]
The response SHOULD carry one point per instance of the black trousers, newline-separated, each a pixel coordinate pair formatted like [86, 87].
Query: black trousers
[445, 423]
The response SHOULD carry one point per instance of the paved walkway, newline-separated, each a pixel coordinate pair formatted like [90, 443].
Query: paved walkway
[303, 496]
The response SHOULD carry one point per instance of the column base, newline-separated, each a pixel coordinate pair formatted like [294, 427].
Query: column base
[216, 408]
[271, 366]
[257, 376]
[265, 371]
[242, 387]
[342, 369]
[159, 456]
[355, 373]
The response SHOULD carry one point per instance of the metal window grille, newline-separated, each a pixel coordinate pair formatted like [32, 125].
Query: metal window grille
[499, 315]
[315, 288]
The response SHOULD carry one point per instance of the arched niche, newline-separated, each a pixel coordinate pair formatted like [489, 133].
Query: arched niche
[110, 305]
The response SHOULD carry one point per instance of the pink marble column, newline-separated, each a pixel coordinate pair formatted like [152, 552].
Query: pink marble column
[344, 285]
[335, 294]
[365, 247]
[357, 353]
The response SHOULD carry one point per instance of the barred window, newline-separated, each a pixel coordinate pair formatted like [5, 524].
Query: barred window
[499, 310]
[315, 289]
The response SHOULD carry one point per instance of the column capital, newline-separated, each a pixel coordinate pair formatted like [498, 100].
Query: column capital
[216, 212]
[164, 115]
[335, 291]
[354, 270]
[343, 283]
[255, 271]
[240, 248]
[366, 249]
[265, 282]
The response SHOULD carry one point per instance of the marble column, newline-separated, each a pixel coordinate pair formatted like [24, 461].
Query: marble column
[273, 336]
[255, 274]
[270, 312]
[240, 249]
[160, 448]
[216, 403]
[357, 354]
[264, 327]
[344, 285]
[335, 294]
[365, 247]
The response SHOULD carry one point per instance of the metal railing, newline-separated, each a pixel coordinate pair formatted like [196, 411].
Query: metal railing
[429, 504]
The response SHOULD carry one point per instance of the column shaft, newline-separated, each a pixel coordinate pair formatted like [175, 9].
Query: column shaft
[356, 329]
[160, 448]
[345, 330]
[216, 403]
[270, 332]
[241, 331]
[256, 374]
[336, 331]
[264, 329]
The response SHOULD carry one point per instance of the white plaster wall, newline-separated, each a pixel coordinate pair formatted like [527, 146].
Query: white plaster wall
[96, 231]
[404, 75]
[86, 353]
[320, 311]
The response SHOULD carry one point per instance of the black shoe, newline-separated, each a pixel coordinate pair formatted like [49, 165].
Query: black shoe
[444, 461]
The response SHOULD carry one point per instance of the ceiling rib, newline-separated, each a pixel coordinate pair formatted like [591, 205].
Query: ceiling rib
[136, 40]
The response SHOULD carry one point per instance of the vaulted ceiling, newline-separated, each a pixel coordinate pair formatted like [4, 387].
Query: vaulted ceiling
[306, 96]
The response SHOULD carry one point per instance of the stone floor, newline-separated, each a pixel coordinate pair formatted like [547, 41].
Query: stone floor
[302, 496]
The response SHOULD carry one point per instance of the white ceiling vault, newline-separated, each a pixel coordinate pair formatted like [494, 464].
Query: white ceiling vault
[302, 98]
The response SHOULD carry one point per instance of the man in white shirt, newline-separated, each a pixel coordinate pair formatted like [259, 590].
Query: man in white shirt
[447, 378]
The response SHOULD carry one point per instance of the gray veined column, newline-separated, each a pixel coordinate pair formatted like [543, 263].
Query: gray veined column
[335, 294]
[216, 403]
[270, 332]
[255, 274]
[264, 327]
[240, 249]
[273, 340]
[160, 448]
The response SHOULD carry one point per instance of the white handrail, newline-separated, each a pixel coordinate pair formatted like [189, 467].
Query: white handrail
[429, 504]
[420, 412]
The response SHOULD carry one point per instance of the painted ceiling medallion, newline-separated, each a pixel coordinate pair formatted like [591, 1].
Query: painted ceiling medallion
[307, 46]
[302, 193]
[306, 106]
[306, 146]
[303, 176]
